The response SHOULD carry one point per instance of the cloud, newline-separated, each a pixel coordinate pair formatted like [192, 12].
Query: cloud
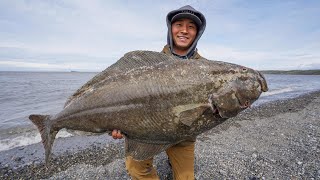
[262, 60]
[29, 65]
[84, 27]
[309, 66]
[82, 66]
[256, 34]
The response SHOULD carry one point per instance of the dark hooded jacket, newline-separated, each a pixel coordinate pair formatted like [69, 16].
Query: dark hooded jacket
[192, 52]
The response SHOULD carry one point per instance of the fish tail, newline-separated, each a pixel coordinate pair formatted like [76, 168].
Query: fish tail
[43, 124]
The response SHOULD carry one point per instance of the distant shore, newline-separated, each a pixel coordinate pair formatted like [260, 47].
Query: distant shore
[276, 140]
[293, 72]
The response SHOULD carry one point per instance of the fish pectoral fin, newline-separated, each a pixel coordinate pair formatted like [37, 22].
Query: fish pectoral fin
[187, 114]
[141, 151]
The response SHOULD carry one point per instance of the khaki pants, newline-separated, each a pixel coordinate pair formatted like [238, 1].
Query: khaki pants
[181, 158]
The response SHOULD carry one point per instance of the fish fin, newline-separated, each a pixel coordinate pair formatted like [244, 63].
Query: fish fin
[187, 114]
[141, 151]
[136, 59]
[47, 134]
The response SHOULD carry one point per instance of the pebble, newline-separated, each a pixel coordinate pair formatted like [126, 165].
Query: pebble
[254, 155]
[222, 172]
[18, 159]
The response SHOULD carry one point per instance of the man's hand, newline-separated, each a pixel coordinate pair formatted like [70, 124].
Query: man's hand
[116, 134]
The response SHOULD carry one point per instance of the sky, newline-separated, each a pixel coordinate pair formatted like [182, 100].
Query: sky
[90, 35]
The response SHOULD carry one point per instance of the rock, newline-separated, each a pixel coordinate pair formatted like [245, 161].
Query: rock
[222, 172]
[254, 155]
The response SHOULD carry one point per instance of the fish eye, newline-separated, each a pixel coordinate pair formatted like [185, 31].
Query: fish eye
[244, 69]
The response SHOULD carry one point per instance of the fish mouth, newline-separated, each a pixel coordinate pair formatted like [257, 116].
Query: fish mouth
[228, 109]
[214, 107]
[242, 104]
[215, 111]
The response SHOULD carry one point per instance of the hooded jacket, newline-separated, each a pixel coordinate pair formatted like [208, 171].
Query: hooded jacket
[192, 51]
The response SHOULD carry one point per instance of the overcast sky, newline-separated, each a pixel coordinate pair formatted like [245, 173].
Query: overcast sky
[89, 35]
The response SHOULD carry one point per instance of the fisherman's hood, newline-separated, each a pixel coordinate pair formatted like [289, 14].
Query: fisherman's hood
[201, 28]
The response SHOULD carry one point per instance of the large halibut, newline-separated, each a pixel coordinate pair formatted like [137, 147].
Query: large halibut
[155, 100]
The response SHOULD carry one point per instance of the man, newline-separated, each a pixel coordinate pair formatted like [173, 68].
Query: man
[185, 27]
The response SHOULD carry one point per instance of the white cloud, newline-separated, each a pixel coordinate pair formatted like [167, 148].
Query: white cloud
[29, 65]
[95, 28]
[263, 60]
[89, 66]
[251, 34]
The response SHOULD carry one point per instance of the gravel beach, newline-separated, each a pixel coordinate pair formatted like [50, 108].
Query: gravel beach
[277, 140]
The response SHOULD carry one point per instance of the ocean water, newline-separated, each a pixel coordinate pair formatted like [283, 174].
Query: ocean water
[25, 93]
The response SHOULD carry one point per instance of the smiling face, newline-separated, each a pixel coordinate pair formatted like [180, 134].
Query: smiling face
[184, 32]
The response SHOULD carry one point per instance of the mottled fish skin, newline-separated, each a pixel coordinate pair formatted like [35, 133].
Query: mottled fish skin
[156, 100]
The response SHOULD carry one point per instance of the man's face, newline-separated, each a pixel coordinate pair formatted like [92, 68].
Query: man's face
[184, 32]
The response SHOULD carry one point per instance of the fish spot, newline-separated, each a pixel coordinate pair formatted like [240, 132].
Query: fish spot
[98, 129]
[215, 72]
[136, 57]
[243, 78]
[176, 120]
[232, 71]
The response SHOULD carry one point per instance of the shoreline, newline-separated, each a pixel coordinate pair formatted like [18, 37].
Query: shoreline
[278, 139]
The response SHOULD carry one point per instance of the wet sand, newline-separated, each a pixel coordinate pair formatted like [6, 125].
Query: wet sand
[278, 140]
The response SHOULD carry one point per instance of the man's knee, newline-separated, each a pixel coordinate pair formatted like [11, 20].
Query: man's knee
[141, 169]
